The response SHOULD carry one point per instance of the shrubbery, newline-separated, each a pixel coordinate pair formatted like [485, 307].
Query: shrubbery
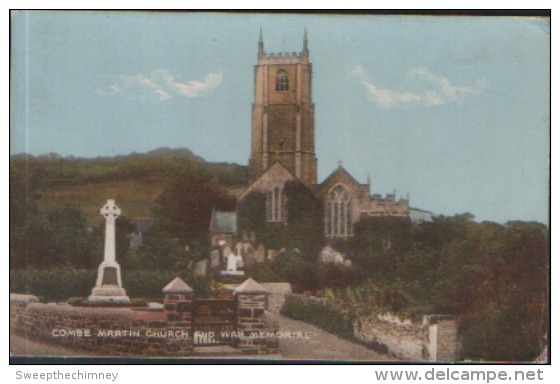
[326, 317]
[61, 284]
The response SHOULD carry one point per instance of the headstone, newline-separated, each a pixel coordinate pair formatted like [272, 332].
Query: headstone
[225, 253]
[330, 255]
[215, 259]
[108, 287]
[233, 261]
[200, 268]
[249, 255]
[260, 255]
[272, 254]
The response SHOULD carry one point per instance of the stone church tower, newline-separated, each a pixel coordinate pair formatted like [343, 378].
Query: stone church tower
[283, 121]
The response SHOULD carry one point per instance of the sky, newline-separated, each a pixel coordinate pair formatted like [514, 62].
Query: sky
[453, 111]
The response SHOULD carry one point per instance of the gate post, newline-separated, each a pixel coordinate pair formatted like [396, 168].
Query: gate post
[251, 303]
[178, 307]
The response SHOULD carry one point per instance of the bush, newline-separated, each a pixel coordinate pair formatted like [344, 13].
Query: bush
[326, 317]
[61, 284]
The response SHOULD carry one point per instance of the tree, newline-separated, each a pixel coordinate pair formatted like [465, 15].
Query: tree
[28, 231]
[70, 239]
[183, 209]
[378, 243]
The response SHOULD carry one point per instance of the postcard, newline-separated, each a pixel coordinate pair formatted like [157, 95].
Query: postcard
[280, 187]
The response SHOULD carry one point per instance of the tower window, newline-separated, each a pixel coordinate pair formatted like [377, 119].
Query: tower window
[282, 83]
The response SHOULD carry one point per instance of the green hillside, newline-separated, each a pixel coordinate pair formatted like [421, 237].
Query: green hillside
[135, 181]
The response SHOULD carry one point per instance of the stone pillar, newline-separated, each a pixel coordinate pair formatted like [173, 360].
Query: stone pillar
[178, 307]
[252, 300]
[444, 343]
[108, 287]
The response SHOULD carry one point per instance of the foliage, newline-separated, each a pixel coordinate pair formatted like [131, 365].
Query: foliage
[185, 206]
[494, 276]
[324, 316]
[63, 283]
[303, 228]
[162, 164]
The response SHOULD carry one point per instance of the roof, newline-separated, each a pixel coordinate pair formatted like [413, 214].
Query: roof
[177, 285]
[341, 173]
[223, 222]
[250, 286]
[274, 176]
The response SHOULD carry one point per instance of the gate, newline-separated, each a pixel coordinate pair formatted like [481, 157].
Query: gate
[214, 321]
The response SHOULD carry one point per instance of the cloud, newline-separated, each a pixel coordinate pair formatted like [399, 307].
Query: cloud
[427, 88]
[161, 85]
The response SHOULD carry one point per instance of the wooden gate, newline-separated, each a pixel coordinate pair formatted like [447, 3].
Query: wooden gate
[214, 321]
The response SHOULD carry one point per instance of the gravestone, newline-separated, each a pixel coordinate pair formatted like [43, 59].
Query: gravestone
[200, 268]
[260, 255]
[215, 259]
[225, 253]
[108, 287]
[249, 255]
[272, 254]
[331, 255]
[233, 262]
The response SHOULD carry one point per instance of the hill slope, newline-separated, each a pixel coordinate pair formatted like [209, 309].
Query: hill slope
[135, 181]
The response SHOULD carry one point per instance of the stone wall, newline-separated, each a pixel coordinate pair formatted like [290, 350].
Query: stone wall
[112, 331]
[405, 337]
[429, 338]
[136, 332]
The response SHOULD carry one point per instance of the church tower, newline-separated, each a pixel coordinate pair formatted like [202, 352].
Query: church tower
[283, 121]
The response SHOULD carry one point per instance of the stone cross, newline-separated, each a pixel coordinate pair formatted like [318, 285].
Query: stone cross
[232, 260]
[108, 287]
[110, 212]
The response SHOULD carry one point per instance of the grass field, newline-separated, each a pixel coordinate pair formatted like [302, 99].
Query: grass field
[134, 197]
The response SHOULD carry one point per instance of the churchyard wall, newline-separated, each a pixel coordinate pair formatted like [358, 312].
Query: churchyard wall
[406, 337]
[133, 332]
[111, 331]
[425, 338]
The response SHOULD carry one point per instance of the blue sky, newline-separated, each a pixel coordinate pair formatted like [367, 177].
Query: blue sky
[452, 110]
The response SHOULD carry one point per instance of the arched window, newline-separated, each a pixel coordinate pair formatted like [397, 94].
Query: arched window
[282, 83]
[338, 212]
[274, 205]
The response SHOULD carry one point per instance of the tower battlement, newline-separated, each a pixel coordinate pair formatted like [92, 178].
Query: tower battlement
[283, 121]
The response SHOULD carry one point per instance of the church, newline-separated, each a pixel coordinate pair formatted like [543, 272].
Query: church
[284, 198]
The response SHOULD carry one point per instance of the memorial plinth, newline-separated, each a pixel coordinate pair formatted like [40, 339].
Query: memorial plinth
[108, 287]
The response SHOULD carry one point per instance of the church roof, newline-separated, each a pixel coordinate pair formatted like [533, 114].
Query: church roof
[223, 222]
[177, 285]
[250, 286]
[341, 173]
[275, 174]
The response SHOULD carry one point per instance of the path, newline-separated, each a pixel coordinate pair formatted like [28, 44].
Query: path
[21, 346]
[321, 344]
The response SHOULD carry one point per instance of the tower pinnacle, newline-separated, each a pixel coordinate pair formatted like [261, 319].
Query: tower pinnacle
[305, 49]
[261, 44]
